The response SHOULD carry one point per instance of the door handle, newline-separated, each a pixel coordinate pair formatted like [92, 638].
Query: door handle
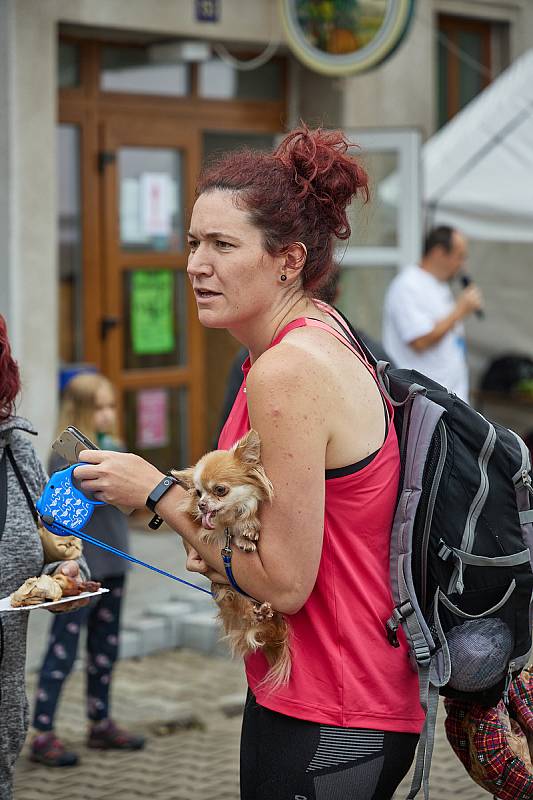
[107, 324]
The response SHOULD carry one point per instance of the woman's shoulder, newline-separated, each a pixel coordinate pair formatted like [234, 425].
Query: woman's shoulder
[287, 382]
[290, 361]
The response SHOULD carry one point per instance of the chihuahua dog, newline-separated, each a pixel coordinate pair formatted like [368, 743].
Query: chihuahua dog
[225, 489]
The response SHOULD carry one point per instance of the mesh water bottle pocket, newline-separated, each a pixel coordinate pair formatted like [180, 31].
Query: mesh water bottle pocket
[480, 650]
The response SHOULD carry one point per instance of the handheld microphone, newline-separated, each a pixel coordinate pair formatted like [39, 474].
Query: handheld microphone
[466, 280]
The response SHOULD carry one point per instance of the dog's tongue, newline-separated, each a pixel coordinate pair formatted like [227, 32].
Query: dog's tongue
[207, 520]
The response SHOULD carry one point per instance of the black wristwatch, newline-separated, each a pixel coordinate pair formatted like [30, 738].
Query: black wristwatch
[155, 496]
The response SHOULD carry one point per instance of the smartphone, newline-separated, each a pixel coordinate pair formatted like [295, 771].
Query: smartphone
[69, 445]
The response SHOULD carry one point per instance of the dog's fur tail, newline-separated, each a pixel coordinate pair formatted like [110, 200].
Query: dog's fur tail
[278, 655]
[247, 634]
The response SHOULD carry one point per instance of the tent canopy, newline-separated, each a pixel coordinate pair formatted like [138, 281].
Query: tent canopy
[478, 169]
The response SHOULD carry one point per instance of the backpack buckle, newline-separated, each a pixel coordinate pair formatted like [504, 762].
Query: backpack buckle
[399, 614]
[392, 636]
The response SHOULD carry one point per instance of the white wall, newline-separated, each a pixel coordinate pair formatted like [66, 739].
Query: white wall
[401, 92]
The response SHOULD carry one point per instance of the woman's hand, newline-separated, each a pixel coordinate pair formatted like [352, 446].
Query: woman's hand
[195, 563]
[121, 479]
[72, 569]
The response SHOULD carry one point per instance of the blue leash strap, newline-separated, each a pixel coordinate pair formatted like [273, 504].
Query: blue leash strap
[62, 498]
[226, 554]
[48, 521]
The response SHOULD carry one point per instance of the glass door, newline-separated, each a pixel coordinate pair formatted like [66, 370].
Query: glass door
[151, 338]
[386, 233]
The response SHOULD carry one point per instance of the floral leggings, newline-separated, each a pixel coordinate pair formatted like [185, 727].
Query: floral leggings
[102, 618]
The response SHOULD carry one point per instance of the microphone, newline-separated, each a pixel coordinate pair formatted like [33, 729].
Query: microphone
[466, 280]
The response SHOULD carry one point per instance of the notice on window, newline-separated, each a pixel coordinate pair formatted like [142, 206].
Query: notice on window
[152, 418]
[152, 318]
[156, 204]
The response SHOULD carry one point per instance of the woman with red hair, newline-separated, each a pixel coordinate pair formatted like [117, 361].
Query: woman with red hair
[262, 238]
[22, 480]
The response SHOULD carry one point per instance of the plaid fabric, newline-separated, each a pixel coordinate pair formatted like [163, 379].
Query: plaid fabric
[480, 737]
[521, 699]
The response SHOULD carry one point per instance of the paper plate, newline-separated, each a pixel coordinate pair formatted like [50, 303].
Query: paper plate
[5, 602]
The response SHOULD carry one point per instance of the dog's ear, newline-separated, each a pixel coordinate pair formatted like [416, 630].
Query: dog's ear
[263, 482]
[248, 449]
[184, 477]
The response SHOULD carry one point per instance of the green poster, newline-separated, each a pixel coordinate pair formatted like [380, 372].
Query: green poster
[152, 320]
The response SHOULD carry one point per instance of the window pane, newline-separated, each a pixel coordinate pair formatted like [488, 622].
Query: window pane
[151, 198]
[471, 79]
[135, 70]
[156, 424]
[375, 224]
[361, 296]
[222, 81]
[155, 318]
[70, 244]
[442, 86]
[68, 65]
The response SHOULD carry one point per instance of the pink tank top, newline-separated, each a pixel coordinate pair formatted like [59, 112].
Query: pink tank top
[344, 671]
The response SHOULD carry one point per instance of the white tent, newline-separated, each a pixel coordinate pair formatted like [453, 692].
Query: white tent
[478, 169]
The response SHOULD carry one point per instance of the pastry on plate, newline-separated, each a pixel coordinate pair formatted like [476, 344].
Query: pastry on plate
[37, 590]
[71, 588]
[50, 588]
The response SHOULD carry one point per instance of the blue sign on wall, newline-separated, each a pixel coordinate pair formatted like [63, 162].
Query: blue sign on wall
[207, 10]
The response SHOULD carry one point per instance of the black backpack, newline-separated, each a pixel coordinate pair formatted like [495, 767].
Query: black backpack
[461, 547]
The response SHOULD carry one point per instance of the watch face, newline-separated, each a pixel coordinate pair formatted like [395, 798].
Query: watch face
[159, 491]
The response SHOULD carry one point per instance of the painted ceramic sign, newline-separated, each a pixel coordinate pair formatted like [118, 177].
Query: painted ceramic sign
[344, 37]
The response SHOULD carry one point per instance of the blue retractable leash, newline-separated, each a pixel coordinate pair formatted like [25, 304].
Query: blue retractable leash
[65, 511]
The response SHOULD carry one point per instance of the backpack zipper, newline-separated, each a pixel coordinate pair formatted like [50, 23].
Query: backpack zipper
[482, 493]
[523, 473]
[443, 443]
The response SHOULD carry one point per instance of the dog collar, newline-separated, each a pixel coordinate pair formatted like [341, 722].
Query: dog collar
[226, 554]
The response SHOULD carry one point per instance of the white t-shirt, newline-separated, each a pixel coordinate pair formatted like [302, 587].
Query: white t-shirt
[414, 303]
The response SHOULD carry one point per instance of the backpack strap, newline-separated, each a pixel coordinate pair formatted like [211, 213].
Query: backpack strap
[380, 367]
[23, 485]
[3, 492]
[353, 336]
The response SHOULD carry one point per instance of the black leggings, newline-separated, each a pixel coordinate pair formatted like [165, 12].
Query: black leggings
[283, 758]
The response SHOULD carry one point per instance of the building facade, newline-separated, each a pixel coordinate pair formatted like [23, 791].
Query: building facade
[108, 110]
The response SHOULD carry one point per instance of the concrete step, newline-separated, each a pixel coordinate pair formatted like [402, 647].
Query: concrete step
[201, 632]
[129, 643]
[153, 634]
[173, 613]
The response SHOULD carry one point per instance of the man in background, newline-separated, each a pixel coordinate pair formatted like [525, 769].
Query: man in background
[422, 320]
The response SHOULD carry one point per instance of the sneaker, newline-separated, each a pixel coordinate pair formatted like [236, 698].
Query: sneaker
[47, 749]
[108, 736]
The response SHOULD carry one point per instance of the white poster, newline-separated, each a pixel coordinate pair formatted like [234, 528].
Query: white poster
[157, 204]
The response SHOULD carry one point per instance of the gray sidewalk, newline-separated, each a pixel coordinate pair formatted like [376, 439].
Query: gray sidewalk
[179, 688]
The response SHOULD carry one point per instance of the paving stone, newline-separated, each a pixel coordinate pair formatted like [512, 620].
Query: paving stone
[232, 705]
[183, 762]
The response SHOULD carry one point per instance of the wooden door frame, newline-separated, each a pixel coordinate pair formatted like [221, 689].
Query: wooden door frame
[115, 134]
[95, 111]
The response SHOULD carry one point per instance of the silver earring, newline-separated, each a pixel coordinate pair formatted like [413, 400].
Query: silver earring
[283, 277]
